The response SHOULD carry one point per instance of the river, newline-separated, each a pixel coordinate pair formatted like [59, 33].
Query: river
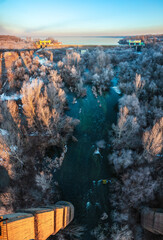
[85, 166]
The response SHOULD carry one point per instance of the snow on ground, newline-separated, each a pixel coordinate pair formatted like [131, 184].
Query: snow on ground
[39, 50]
[4, 97]
[43, 61]
[13, 148]
[3, 132]
[116, 89]
[97, 151]
[34, 134]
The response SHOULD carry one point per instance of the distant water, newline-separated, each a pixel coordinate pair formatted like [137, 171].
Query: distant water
[89, 40]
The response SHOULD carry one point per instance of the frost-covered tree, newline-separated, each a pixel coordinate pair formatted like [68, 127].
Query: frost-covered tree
[71, 75]
[43, 181]
[138, 134]
[100, 69]
[26, 131]
[73, 232]
[123, 233]
[143, 189]
[121, 159]
[126, 131]
[42, 107]
[153, 141]
[72, 59]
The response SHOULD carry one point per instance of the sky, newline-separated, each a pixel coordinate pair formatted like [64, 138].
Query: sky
[81, 17]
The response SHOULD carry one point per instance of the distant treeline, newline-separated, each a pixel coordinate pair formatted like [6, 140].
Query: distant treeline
[9, 38]
[145, 38]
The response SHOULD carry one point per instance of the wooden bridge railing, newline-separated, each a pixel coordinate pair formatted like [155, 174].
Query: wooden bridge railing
[152, 220]
[36, 223]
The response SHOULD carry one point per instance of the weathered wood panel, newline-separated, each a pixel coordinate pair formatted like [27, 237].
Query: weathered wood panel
[152, 220]
[158, 223]
[147, 219]
[58, 217]
[58, 213]
[18, 226]
[44, 222]
[68, 212]
[36, 223]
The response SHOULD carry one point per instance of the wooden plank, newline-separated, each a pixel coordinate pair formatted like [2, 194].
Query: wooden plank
[158, 222]
[18, 226]
[147, 219]
[1, 228]
[44, 225]
[58, 213]
[65, 216]
[36, 223]
[58, 217]
[69, 211]
[44, 222]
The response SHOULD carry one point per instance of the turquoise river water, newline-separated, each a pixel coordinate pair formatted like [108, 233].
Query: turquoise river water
[85, 166]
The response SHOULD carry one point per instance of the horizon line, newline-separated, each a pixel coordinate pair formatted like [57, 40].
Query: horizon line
[50, 35]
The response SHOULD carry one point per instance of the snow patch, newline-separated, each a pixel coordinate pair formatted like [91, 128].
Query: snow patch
[104, 216]
[43, 61]
[34, 134]
[116, 89]
[3, 132]
[12, 97]
[101, 144]
[97, 152]
[13, 148]
[88, 204]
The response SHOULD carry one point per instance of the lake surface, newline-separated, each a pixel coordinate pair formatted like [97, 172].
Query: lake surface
[89, 40]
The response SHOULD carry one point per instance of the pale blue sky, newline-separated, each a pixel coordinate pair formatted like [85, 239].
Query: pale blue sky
[86, 17]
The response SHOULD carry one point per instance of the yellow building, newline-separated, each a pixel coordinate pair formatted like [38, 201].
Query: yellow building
[46, 43]
[43, 43]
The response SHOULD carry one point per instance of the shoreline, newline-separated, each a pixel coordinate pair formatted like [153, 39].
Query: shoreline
[85, 46]
[60, 47]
